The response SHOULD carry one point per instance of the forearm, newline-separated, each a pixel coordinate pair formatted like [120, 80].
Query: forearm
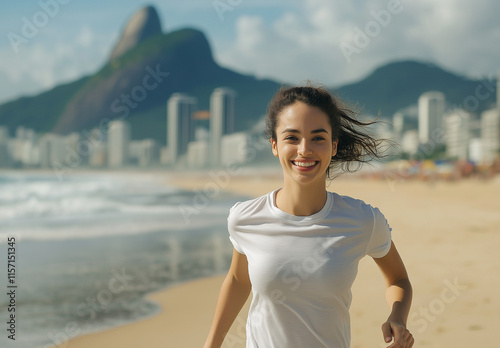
[232, 297]
[399, 297]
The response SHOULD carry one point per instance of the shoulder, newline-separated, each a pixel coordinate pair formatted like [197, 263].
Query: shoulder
[350, 206]
[248, 208]
[350, 203]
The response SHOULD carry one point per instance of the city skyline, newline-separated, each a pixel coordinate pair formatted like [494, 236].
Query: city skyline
[465, 135]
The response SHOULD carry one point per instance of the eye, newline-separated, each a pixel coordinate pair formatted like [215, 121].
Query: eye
[318, 138]
[291, 137]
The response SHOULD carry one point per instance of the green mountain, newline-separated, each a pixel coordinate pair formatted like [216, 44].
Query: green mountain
[180, 61]
[399, 84]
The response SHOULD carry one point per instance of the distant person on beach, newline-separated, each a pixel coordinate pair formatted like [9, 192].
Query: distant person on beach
[298, 247]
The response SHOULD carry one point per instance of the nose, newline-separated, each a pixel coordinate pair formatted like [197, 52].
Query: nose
[304, 148]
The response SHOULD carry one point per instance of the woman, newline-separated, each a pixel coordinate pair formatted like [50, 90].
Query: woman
[298, 247]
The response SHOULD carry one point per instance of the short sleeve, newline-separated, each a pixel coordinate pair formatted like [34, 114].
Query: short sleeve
[380, 241]
[231, 224]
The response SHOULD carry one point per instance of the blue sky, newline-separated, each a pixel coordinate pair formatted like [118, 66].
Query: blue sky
[328, 41]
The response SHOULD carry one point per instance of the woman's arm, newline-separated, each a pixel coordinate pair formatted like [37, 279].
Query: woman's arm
[233, 295]
[399, 295]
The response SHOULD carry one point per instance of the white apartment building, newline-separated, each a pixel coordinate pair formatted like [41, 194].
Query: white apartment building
[221, 120]
[180, 125]
[431, 107]
[118, 143]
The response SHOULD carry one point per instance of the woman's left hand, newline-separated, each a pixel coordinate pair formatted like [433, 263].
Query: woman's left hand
[402, 337]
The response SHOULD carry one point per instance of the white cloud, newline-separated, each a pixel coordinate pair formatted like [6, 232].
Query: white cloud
[42, 65]
[9, 88]
[458, 35]
[86, 37]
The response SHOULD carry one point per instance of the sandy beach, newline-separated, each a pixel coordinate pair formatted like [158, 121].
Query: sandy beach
[448, 234]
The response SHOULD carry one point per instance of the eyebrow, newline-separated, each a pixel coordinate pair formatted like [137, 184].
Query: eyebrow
[290, 130]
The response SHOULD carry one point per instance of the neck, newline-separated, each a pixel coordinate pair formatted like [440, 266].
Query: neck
[301, 200]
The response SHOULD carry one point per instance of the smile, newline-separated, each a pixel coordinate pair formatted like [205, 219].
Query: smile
[303, 166]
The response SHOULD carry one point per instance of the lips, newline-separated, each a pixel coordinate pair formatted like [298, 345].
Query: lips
[305, 165]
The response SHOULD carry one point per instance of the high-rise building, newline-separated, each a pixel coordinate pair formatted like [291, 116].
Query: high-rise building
[180, 125]
[498, 89]
[198, 150]
[5, 160]
[25, 148]
[431, 107]
[98, 153]
[409, 142]
[221, 119]
[404, 120]
[118, 143]
[75, 154]
[235, 149]
[398, 123]
[197, 155]
[52, 151]
[46, 149]
[144, 152]
[475, 150]
[98, 156]
[457, 128]
[490, 134]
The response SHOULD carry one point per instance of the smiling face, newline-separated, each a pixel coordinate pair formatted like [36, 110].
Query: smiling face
[304, 143]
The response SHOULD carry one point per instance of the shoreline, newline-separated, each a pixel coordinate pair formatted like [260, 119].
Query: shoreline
[155, 328]
[450, 239]
[160, 297]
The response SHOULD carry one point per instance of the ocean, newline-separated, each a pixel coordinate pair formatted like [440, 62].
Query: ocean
[90, 247]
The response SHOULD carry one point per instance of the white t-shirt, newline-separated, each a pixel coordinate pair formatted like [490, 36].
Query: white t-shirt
[302, 268]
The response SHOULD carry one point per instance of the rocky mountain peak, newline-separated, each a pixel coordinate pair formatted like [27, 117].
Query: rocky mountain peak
[144, 24]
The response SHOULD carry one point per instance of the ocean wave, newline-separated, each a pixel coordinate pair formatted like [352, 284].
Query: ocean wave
[44, 208]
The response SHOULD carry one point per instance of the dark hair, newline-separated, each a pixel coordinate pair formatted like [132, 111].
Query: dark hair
[355, 144]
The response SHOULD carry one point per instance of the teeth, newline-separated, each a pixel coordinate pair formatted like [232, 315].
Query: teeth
[304, 164]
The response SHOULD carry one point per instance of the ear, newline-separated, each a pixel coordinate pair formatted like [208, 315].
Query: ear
[274, 147]
[334, 147]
